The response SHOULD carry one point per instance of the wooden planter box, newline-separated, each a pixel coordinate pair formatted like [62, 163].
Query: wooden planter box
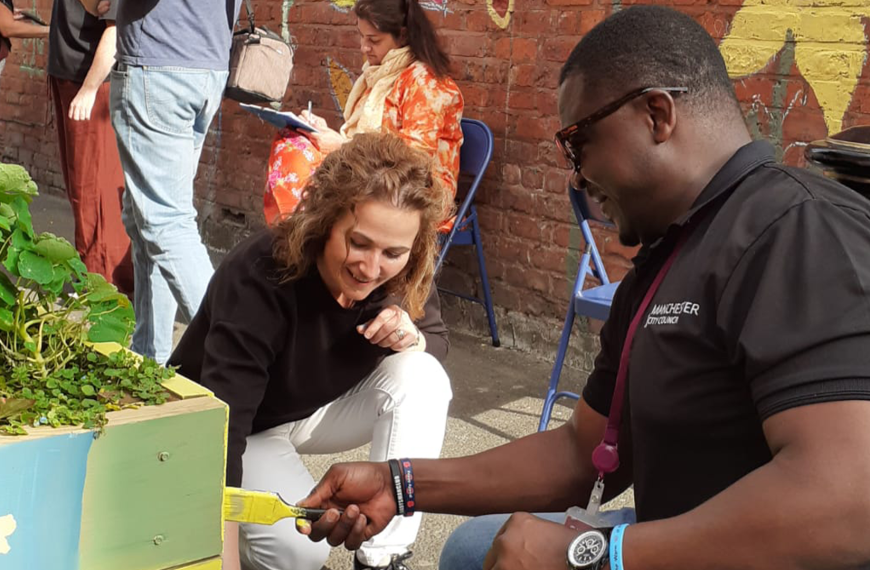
[144, 495]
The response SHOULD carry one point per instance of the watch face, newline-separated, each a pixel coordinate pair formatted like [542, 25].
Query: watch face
[587, 549]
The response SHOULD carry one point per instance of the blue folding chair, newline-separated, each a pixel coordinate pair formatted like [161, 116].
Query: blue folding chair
[474, 156]
[593, 302]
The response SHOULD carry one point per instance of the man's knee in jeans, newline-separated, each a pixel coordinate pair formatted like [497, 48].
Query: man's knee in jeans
[466, 548]
[282, 548]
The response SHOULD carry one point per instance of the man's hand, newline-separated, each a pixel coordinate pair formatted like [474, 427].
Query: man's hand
[364, 490]
[103, 7]
[82, 104]
[384, 330]
[526, 542]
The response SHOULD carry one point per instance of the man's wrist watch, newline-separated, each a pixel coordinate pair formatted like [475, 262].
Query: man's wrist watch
[589, 551]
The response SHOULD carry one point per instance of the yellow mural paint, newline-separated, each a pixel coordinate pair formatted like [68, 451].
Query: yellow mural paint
[7, 527]
[500, 21]
[340, 81]
[344, 4]
[830, 45]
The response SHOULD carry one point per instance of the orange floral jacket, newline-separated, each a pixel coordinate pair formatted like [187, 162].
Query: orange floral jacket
[425, 112]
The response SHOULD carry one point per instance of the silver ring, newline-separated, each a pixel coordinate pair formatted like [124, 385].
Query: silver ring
[400, 333]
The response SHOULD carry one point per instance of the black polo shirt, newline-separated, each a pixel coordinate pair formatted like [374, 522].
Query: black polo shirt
[766, 308]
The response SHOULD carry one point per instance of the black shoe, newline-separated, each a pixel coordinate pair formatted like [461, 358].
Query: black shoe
[396, 563]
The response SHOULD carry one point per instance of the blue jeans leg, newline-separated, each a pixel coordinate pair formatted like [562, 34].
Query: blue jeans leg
[467, 547]
[161, 116]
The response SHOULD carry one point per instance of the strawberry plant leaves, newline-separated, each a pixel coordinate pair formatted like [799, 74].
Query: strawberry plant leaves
[14, 406]
[109, 328]
[48, 373]
[10, 262]
[8, 291]
[34, 266]
[15, 182]
[7, 319]
[53, 248]
[22, 211]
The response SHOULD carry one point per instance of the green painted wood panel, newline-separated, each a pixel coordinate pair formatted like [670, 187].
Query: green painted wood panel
[153, 491]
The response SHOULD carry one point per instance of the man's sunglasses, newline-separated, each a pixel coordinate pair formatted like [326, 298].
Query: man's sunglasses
[570, 140]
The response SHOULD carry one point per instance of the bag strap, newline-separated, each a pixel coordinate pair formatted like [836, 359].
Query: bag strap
[250, 11]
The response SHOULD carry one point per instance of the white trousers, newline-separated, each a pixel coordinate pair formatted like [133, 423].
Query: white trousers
[401, 408]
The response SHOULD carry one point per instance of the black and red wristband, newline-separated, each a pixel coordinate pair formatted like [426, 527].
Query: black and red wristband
[402, 474]
[396, 476]
[408, 487]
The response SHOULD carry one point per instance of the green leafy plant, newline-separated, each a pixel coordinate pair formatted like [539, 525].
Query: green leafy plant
[51, 311]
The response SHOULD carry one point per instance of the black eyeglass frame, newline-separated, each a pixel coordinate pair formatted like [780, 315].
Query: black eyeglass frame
[564, 137]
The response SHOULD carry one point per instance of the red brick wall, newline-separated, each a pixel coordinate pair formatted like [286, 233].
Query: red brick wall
[507, 55]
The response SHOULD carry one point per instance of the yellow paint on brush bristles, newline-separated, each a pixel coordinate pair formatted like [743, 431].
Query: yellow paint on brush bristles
[258, 507]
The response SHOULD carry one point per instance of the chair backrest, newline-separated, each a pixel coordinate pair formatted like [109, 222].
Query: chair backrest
[474, 156]
[583, 213]
[476, 150]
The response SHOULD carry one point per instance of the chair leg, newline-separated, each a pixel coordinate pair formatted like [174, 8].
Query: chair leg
[556, 373]
[487, 297]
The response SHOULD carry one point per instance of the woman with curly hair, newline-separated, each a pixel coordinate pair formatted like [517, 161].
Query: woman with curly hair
[404, 89]
[324, 333]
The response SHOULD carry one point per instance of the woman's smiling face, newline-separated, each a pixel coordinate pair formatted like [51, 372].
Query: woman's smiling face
[366, 248]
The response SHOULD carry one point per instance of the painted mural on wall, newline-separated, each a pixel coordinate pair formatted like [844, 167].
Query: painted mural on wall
[340, 82]
[826, 40]
[8, 525]
[500, 11]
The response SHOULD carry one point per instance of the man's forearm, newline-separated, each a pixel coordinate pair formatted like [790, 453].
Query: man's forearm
[540, 472]
[104, 59]
[785, 515]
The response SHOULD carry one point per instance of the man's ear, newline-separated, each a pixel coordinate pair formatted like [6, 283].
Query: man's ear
[662, 115]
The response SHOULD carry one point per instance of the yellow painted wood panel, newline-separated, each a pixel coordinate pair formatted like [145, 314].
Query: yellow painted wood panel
[210, 564]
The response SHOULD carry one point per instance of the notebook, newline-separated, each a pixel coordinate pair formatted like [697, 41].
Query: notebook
[279, 119]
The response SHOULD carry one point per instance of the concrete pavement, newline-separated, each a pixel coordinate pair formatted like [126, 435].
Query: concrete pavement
[497, 398]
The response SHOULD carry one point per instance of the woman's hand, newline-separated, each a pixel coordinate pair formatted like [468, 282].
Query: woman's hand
[326, 139]
[394, 329]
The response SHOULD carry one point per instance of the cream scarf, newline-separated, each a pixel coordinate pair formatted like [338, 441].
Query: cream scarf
[364, 111]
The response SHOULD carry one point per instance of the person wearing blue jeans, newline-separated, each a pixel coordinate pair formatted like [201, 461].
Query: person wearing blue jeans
[467, 546]
[166, 88]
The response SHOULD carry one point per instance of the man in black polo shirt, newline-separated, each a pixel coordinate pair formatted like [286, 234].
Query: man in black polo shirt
[747, 420]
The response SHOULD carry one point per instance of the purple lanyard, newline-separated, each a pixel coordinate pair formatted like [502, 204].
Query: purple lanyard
[605, 457]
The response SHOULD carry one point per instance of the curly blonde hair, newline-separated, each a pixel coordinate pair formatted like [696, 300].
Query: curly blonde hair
[371, 166]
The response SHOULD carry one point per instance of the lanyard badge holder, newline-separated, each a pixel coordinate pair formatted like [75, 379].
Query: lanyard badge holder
[605, 457]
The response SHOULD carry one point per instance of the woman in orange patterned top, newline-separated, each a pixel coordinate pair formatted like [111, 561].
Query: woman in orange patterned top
[404, 89]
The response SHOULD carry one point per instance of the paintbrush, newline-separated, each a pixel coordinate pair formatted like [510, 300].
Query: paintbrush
[258, 507]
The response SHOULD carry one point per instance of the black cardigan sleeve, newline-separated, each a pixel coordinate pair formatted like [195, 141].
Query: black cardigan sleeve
[246, 332]
[433, 328]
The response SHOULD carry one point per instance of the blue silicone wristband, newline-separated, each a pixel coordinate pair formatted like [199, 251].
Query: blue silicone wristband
[616, 547]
